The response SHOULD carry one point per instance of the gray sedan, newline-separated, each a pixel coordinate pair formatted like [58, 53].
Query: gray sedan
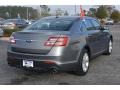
[59, 43]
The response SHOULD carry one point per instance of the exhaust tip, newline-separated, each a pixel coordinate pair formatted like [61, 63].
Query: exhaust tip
[54, 70]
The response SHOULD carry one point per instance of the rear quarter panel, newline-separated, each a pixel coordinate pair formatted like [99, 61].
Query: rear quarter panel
[76, 43]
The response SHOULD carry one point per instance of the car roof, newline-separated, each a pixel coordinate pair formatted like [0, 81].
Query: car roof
[67, 17]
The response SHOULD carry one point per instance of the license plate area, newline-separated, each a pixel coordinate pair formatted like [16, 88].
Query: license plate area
[28, 63]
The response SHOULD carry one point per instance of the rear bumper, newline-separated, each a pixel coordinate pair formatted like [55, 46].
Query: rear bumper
[16, 60]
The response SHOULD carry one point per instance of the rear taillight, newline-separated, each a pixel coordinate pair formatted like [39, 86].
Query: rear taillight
[56, 41]
[12, 40]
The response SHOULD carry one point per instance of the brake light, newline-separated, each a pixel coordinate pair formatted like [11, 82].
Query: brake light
[12, 40]
[56, 41]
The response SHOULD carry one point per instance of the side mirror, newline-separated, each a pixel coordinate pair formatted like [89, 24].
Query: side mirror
[104, 28]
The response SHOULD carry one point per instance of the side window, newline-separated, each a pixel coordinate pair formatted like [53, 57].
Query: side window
[18, 21]
[23, 21]
[83, 27]
[89, 25]
[96, 24]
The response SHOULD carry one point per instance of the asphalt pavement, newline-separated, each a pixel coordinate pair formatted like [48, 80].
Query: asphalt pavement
[104, 70]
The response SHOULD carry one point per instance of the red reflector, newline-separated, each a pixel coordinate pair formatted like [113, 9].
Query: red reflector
[49, 62]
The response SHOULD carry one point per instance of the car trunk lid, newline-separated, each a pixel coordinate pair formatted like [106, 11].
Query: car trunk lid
[33, 41]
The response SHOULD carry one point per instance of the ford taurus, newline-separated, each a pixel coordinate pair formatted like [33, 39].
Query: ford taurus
[65, 43]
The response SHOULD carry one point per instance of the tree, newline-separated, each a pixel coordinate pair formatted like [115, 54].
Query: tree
[109, 8]
[85, 12]
[13, 11]
[101, 12]
[58, 12]
[66, 13]
[115, 15]
[92, 12]
[44, 10]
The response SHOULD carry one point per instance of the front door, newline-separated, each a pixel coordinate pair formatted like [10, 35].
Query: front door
[94, 37]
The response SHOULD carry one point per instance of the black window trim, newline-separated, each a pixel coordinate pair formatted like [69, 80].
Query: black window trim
[83, 22]
[91, 24]
[96, 22]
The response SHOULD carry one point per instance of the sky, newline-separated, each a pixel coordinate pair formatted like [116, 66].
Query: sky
[71, 8]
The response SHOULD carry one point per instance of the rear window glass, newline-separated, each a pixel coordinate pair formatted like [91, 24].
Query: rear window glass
[51, 24]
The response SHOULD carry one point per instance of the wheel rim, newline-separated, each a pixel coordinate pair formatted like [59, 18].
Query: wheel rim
[85, 63]
[110, 46]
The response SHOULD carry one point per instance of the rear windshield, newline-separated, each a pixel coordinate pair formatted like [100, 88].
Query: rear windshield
[51, 24]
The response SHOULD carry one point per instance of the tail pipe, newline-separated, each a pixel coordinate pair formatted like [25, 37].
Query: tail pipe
[54, 70]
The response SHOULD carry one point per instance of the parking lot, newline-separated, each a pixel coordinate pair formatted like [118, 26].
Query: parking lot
[103, 69]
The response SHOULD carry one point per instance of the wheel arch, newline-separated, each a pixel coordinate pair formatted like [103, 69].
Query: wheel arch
[111, 38]
[88, 49]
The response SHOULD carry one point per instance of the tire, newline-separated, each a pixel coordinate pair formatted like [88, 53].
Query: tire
[109, 48]
[83, 63]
